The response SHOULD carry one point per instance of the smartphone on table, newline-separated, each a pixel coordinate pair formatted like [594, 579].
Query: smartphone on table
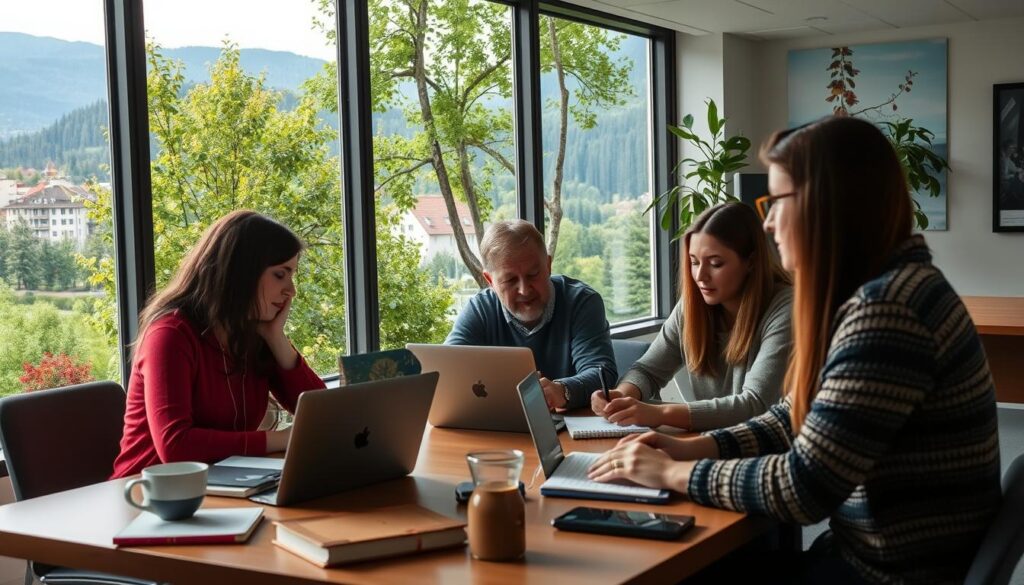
[624, 523]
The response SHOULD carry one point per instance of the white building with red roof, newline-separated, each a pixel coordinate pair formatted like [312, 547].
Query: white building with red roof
[54, 210]
[429, 225]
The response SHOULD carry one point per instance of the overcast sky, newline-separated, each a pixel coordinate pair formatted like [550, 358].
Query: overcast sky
[282, 25]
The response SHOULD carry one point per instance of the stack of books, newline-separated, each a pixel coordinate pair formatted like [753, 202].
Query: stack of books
[372, 534]
[241, 477]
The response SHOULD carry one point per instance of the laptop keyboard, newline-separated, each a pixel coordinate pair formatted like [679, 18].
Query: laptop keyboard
[571, 474]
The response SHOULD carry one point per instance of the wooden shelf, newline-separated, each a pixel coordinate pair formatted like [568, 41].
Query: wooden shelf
[997, 315]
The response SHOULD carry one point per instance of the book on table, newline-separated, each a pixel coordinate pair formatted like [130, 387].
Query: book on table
[207, 526]
[596, 427]
[371, 534]
[241, 477]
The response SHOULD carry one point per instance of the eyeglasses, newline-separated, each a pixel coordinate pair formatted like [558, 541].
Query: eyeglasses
[764, 204]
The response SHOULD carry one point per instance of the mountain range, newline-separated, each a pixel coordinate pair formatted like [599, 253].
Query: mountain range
[53, 107]
[45, 78]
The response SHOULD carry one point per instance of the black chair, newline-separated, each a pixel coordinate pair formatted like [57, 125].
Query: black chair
[1003, 545]
[61, 439]
[627, 351]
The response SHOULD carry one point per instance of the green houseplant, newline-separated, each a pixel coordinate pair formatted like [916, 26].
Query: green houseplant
[705, 179]
[920, 165]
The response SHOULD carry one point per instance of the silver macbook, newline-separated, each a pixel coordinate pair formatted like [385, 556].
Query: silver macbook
[477, 387]
[567, 474]
[353, 436]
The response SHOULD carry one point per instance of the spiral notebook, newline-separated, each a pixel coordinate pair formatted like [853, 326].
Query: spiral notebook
[596, 427]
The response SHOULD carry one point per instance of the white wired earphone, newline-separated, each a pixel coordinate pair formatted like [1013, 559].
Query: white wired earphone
[231, 394]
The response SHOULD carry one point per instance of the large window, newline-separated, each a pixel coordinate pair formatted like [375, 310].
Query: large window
[443, 149]
[456, 113]
[57, 299]
[597, 161]
[243, 115]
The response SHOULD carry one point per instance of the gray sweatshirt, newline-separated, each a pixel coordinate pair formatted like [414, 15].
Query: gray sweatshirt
[739, 392]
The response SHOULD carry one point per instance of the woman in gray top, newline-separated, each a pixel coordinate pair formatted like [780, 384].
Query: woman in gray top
[731, 330]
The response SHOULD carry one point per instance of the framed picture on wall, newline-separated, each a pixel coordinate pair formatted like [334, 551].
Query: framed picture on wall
[1008, 157]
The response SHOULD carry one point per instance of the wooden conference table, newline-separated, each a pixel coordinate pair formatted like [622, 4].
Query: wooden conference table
[75, 528]
[1000, 321]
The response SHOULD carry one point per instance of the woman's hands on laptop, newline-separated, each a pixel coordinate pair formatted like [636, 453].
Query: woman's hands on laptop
[653, 459]
[278, 440]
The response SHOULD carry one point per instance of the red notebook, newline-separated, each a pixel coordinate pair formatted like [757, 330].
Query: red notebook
[213, 526]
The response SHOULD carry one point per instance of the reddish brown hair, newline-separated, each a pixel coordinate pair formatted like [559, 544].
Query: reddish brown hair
[737, 227]
[852, 210]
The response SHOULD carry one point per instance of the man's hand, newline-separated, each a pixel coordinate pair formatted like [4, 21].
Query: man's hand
[554, 393]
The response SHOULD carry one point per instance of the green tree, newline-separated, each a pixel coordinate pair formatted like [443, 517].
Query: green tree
[638, 262]
[48, 264]
[456, 54]
[225, 145]
[5, 250]
[31, 331]
[23, 257]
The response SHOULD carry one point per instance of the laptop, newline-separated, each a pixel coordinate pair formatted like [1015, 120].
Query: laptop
[477, 387]
[353, 436]
[566, 475]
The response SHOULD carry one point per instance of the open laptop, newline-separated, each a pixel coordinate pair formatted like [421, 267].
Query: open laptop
[567, 474]
[477, 387]
[353, 436]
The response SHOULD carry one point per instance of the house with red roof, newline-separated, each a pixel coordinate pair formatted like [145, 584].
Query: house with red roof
[53, 209]
[429, 225]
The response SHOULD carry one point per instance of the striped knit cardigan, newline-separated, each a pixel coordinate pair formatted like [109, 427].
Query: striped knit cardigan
[900, 446]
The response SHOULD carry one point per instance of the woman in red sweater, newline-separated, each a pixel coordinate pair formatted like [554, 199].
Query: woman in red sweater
[212, 349]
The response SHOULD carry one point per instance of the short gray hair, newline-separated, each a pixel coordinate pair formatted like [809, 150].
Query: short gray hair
[504, 236]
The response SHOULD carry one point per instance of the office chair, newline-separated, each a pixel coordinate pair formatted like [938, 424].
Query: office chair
[626, 352]
[60, 439]
[1003, 545]
[378, 365]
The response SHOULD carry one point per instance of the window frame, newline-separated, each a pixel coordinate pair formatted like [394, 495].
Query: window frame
[130, 160]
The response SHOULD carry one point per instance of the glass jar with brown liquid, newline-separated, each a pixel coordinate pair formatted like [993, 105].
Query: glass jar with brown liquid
[497, 513]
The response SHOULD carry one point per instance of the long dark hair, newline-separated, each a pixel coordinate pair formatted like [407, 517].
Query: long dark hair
[217, 282]
[853, 209]
[737, 227]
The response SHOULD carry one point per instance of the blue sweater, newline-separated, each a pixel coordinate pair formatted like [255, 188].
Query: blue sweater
[900, 447]
[568, 349]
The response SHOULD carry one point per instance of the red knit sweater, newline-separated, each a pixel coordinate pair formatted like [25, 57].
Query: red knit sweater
[182, 407]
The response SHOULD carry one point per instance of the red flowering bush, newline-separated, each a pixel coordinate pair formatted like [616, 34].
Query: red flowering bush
[54, 371]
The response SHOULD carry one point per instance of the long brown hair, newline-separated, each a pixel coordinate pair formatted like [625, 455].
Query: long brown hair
[852, 210]
[218, 280]
[737, 227]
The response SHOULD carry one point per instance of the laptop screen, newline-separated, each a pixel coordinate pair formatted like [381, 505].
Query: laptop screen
[545, 437]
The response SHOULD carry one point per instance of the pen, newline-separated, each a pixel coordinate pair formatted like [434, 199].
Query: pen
[604, 385]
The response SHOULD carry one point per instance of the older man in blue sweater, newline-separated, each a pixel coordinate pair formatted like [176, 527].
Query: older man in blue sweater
[561, 319]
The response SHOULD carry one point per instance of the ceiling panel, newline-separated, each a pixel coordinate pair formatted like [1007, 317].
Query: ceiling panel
[617, 8]
[716, 16]
[776, 19]
[908, 13]
[990, 9]
[793, 32]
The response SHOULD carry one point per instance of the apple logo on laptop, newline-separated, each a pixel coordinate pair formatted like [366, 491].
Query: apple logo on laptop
[363, 438]
[479, 389]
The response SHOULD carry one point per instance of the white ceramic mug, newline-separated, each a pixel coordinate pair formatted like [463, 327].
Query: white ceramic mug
[172, 491]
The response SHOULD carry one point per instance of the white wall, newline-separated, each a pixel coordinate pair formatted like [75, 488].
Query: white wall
[976, 260]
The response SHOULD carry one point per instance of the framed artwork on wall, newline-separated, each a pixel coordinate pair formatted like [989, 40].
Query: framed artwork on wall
[885, 83]
[1008, 157]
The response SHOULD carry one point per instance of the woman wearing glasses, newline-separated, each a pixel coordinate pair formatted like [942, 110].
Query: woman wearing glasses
[889, 424]
[730, 330]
